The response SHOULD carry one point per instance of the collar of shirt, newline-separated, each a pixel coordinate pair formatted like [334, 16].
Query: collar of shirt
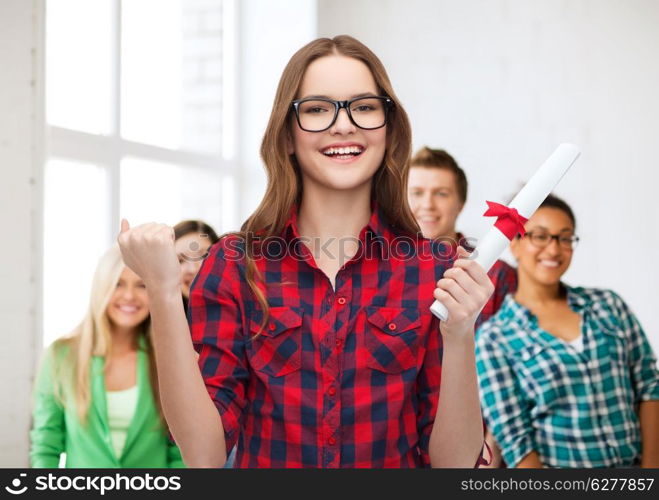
[372, 237]
[510, 307]
[520, 318]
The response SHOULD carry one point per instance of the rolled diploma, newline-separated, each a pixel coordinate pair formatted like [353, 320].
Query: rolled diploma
[527, 201]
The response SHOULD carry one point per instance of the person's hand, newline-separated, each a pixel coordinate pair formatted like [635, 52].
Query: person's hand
[464, 290]
[148, 250]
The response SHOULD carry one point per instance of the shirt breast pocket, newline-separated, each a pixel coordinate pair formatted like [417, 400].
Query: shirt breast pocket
[392, 338]
[276, 350]
[543, 374]
[611, 341]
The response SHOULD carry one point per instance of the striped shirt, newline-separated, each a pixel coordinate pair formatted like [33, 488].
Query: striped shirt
[575, 409]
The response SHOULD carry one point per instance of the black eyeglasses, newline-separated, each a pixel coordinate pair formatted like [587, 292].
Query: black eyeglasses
[318, 114]
[542, 239]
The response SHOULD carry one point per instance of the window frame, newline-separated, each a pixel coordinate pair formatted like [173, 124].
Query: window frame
[108, 151]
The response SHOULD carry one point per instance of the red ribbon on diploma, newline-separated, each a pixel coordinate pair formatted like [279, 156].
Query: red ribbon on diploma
[509, 221]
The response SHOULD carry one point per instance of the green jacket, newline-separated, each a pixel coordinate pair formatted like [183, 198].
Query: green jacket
[57, 429]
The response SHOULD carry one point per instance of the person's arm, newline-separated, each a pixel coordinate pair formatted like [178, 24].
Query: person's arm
[457, 437]
[174, 458]
[530, 461]
[48, 428]
[505, 409]
[645, 379]
[496, 461]
[457, 434]
[191, 415]
[649, 417]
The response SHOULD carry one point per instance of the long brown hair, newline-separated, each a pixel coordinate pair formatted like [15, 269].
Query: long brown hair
[284, 186]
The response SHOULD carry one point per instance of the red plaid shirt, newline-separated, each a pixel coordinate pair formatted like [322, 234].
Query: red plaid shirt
[345, 377]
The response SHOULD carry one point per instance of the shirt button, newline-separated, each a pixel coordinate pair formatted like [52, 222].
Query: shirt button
[331, 441]
[341, 301]
[338, 342]
[271, 326]
[391, 326]
[331, 391]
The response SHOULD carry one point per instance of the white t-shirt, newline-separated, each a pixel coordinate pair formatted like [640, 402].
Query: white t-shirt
[121, 407]
[576, 344]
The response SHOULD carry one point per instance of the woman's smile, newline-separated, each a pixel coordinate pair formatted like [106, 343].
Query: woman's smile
[345, 152]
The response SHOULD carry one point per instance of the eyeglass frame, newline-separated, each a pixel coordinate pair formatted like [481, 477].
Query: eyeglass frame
[338, 105]
[574, 238]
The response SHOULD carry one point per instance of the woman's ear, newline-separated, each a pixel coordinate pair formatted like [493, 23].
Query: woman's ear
[514, 247]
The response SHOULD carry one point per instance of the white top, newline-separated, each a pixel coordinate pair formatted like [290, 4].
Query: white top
[121, 407]
[576, 344]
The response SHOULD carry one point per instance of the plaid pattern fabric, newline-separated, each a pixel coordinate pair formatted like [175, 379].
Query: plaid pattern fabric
[503, 277]
[575, 409]
[345, 377]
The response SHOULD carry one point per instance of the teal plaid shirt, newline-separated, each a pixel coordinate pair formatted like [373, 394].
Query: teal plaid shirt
[575, 409]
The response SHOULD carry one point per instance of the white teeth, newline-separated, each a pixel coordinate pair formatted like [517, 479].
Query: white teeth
[343, 150]
[128, 309]
[549, 263]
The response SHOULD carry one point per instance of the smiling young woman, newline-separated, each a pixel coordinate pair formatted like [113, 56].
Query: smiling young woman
[567, 375]
[321, 358]
[96, 395]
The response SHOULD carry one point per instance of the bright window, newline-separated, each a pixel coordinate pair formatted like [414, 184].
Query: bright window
[139, 108]
[78, 65]
[76, 199]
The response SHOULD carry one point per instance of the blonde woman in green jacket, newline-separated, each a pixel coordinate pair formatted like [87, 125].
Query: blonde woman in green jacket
[95, 396]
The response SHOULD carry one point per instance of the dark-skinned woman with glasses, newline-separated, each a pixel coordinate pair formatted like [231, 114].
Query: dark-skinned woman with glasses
[567, 376]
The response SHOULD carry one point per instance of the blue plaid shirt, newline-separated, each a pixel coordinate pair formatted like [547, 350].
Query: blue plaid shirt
[575, 409]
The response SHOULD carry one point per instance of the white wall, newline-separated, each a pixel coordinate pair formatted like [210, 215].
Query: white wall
[499, 83]
[271, 32]
[21, 113]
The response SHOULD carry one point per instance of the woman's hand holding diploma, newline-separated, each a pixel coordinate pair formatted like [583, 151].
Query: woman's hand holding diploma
[464, 290]
[510, 220]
